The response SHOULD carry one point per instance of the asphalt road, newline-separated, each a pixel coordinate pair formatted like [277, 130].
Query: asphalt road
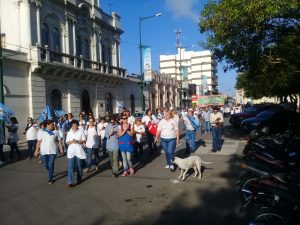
[153, 195]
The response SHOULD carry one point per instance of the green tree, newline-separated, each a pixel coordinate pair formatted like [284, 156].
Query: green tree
[258, 38]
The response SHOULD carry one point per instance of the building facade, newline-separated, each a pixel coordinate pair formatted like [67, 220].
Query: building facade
[65, 54]
[197, 74]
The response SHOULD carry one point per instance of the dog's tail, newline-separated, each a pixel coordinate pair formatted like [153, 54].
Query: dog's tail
[202, 161]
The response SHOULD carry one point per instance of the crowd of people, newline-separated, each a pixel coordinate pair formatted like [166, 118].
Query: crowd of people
[122, 138]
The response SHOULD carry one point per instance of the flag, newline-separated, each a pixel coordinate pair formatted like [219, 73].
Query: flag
[46, 114]
[5, 113]
[59, 113]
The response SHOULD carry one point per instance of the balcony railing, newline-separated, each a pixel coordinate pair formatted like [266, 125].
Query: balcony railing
[79, 62]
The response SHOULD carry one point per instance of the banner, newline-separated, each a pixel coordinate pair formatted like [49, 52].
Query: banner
[147, 63]
[47, 114]
[211, 100]
[204, 83]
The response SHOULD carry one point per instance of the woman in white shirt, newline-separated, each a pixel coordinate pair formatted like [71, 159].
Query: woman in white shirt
[47, 146]
[169, 136]
[140, 131]
[92, 144]
[75, 153]
[13, 137]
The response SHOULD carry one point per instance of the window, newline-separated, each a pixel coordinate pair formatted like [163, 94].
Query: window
[109, 103]
[56, 39]
[45, 35]
[85, 102]
[56, 102]
[132, 103]
[86, 48]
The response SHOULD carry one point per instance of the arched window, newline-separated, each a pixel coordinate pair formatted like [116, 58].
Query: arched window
[56, 101]
[85, 102]
[56, 39]
[78, 46]
[132, 103]
[109, 103]
[45, 34]
[86, 48]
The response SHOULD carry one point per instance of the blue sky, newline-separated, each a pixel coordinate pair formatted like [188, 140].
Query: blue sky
[159, 32]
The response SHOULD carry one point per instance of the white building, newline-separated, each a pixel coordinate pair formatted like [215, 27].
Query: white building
[65, 54]
[198, 67]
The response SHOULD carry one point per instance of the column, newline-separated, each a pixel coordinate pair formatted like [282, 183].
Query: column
[25, 24]
[74, 42]
[100, 46]
[118, 55]
[67, 40]
[94, 46]
[38, 22]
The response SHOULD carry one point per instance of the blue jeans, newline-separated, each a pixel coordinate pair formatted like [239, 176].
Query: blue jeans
[190, 140]
[74, 163]
[169, 146]
[207, 126]
[48, 161]
[126, 156]
[31, 147]
[89, 153]
[216, 135]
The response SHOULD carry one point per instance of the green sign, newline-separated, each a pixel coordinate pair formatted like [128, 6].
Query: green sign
[211, 100]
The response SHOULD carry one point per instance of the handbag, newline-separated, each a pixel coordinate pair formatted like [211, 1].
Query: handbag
[152, 128]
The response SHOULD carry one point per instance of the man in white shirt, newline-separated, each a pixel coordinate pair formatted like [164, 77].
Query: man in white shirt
[190, 131]
[31, 136]
[216, 120]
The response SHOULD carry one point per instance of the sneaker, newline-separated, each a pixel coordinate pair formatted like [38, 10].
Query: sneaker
[86, 170]
[131, 170]
[40, 161]
[97, 168]
[50, 182]
[125, 174]
[172, 168]
[69, 185]
[167, 167]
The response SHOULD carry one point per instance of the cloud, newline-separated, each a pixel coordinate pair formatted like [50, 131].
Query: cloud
[183, 8]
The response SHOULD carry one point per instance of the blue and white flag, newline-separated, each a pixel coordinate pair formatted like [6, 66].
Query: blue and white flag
[59, 113]
[46, 114]
[5, 113]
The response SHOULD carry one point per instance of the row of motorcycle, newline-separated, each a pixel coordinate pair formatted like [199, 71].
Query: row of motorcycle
[269, 181]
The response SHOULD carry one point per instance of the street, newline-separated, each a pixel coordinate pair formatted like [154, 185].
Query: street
[153, 195]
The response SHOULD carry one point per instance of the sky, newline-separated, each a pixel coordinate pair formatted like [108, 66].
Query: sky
[159, 32]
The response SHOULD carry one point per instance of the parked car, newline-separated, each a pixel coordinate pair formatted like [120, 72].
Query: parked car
[275, 120]
[252, 111]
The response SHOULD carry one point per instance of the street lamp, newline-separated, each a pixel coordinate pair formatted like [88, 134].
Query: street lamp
[141, 57]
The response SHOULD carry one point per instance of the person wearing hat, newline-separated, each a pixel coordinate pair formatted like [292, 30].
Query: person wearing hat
[216, 120]
[192, 124]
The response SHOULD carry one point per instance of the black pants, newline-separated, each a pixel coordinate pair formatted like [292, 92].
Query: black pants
[13, 147]
[151, 145]
[138, 149]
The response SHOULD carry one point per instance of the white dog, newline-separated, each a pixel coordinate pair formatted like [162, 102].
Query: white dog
[193, 161]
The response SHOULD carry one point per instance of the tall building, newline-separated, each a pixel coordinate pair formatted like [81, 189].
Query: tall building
[197, 75]
[65, 54]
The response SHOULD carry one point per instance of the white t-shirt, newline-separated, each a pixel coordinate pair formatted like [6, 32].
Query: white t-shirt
[146, 119]
[92, 138]
[131, 120]
[48, 142]
[101, 129]
[75, 149]
[168, 128]
[31, 133]
[139, 128]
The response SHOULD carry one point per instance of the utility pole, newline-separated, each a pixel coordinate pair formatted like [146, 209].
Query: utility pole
[178, 46]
